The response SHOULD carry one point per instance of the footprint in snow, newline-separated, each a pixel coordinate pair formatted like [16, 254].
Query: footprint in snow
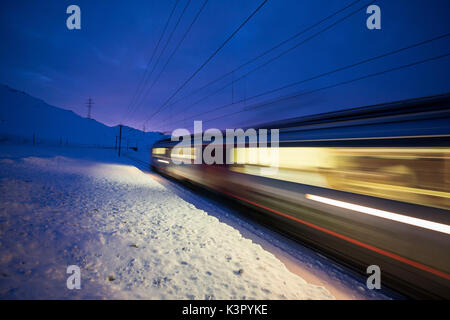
[239, 272]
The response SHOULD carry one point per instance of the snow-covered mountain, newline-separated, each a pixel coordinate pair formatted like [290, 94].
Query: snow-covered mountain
[24, 118]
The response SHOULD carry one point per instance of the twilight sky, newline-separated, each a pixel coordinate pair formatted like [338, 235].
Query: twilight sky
[107, 58]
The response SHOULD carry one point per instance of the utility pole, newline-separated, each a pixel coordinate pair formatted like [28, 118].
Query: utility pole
[89, 104]
[143, 129]
[120, 138]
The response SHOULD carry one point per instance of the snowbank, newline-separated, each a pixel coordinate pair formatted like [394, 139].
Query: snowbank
[130, 235]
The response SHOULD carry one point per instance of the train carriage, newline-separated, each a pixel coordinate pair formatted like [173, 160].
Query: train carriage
[367, 186]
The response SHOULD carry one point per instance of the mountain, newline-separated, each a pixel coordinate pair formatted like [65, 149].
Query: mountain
[24, 118]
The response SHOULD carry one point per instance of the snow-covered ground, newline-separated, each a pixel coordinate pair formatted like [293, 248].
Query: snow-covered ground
[305, 262]
[131, 236]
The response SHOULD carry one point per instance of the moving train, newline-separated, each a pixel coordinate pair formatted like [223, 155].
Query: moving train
[366, 186]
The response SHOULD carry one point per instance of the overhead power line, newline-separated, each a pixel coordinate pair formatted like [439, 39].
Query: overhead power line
[207, 60]
[139, 87]
[164, 48]
[280, 54]
[263, 105]
[415, 45]
[280, 44]
[173, 53]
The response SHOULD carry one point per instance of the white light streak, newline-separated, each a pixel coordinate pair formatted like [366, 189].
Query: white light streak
[439, 227]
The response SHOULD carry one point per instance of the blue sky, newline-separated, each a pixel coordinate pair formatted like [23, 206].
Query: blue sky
[106, 58]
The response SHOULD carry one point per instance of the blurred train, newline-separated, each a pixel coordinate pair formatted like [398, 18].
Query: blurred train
[367, 186]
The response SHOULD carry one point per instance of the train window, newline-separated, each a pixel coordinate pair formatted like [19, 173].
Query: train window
[415, 175]
[256, 156]
[183, 153]
[159, 151]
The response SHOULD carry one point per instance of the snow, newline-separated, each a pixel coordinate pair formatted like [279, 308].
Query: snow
[305, 262]
[132, 236]
[23, 116]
